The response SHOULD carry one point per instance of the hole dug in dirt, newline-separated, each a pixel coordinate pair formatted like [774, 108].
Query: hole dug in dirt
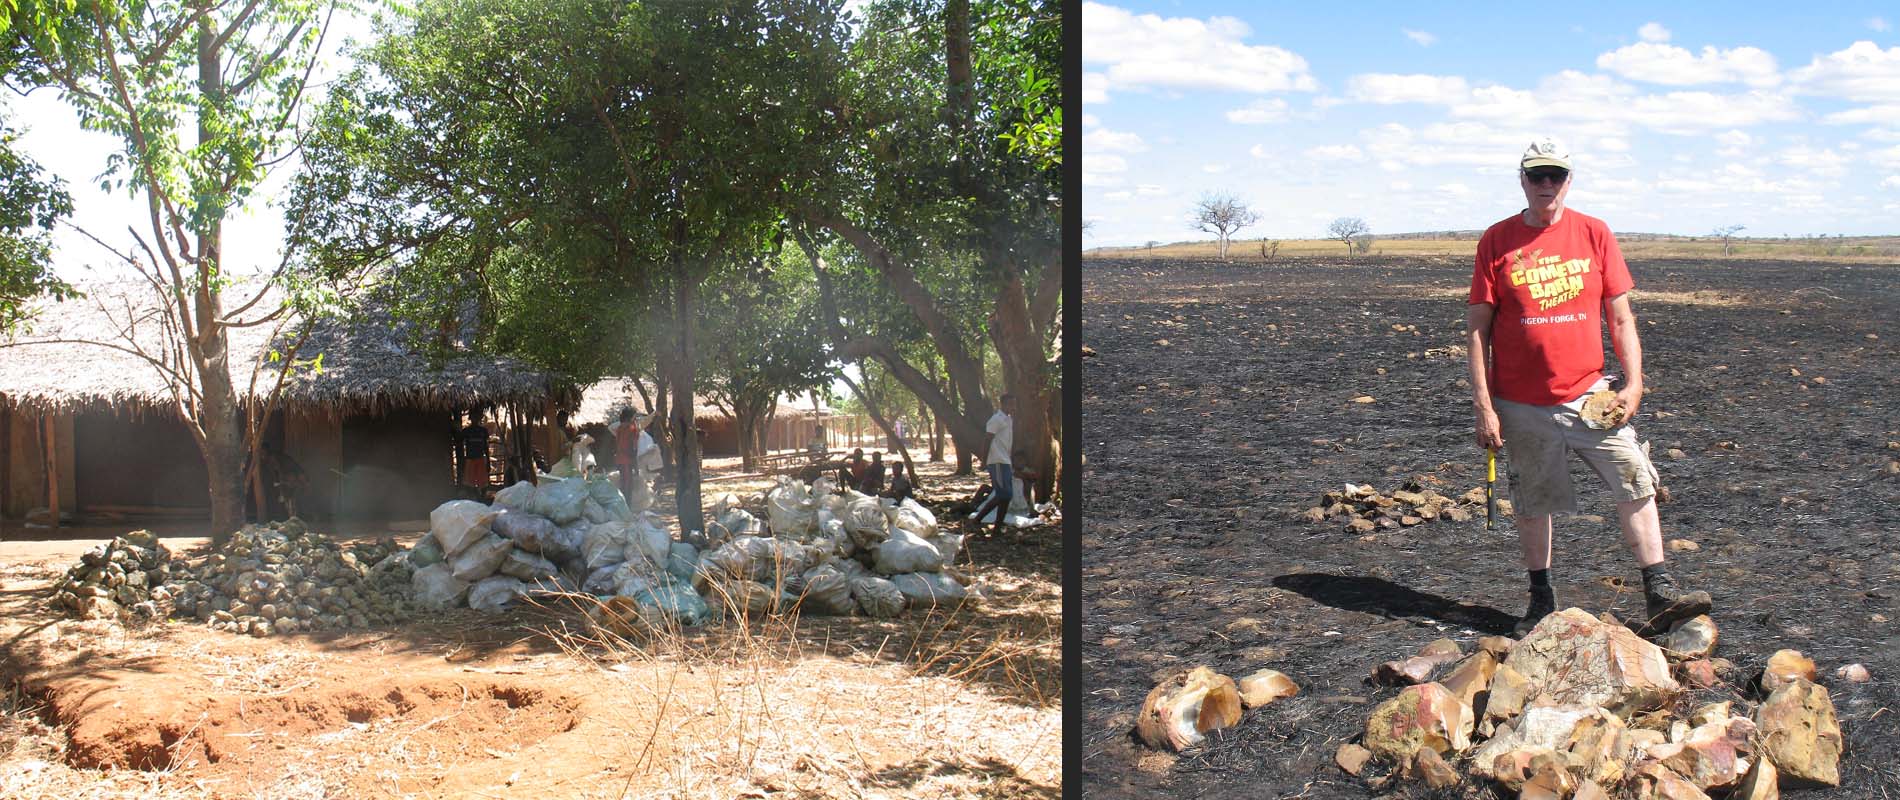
[125, 733]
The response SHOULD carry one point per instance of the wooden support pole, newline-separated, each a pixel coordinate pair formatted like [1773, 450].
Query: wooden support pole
[52, 473]
[6, 457]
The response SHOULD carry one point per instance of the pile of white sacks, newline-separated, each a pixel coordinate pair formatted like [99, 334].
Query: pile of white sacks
[818, 552]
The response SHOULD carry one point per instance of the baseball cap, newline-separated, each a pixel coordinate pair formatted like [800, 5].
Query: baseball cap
[1545, 152]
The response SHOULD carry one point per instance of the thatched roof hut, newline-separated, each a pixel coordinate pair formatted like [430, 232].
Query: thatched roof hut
[88, 421]
[97, 352]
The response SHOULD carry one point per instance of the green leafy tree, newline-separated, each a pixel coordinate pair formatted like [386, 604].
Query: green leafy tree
[203, 97]
[30, 205]
[637, 148]
[951, 120]
[762, 343]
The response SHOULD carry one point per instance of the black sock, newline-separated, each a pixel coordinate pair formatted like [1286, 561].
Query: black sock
[1652, 573]
[1540, 577]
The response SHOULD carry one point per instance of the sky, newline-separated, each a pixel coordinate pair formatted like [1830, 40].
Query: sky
[1680, 118]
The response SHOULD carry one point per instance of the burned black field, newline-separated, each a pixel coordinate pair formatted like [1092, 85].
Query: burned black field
[1220, 400]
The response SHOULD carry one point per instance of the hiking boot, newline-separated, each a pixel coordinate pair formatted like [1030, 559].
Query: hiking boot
[1665, 604]
[1543, 603]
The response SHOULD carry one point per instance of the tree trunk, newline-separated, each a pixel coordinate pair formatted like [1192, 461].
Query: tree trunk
[686, 478]
[933, 433]
[223, 443]
[1024, 366]
[877, 416]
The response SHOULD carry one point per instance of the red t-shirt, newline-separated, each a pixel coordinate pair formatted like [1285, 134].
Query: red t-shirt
[1548, 287]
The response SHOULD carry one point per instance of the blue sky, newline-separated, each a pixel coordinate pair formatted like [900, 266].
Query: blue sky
[1784, 118]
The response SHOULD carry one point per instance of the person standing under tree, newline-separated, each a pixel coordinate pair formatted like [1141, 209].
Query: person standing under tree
[1544, 281]
[474, 444]
[1000, 434]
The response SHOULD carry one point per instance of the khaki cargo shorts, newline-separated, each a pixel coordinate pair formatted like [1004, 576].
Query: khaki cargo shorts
[1538, 441]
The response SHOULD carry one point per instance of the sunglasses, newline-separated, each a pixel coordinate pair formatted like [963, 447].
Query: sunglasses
[1552, 176]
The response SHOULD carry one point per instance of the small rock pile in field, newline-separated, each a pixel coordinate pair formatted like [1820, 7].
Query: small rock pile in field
[125, 575]
[284, 578]
[1584, 708]
[1581, 708]
[1365, 510]
[1182, 708]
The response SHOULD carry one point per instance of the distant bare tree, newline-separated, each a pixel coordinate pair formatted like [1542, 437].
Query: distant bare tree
[1222, 215]
[1151, 245]
[1725, 233]
[1362, 244]
[1345, 229]
[1269, 249]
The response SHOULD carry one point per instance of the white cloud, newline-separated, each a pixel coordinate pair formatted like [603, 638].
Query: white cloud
[1891, 182]
[1424, 39]
[1886, 114]
[1090, 120]
[1612, 144]
[1653, 62]
[1388, 89]
[1653, 32]
[1889, 157]
[1400, 186]
[1094, 88]
[1122, 194]
[1103, 170]
[1878, 24]
[1103, 140]
[1819, 162]
[1149, 51]
[1214, 169]
[1151, 190]
[1260, 151]
[1700, 112]
[1336, 152]
[1733, 143]
[1259, 112]
[1454, 189]
[1862, 73]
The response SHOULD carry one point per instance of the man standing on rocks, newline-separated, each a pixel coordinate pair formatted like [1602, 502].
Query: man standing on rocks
[1544, 282]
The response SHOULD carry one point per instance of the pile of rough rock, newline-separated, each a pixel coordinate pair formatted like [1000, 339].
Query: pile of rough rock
[1584, 708]
[125, 575]
[283, 578]
[1365, 510]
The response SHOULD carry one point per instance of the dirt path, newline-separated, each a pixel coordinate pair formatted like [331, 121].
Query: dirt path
[1220, 399]
[957, 704]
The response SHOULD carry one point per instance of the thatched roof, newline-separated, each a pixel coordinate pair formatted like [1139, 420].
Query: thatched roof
[602, 401]
[59, 362]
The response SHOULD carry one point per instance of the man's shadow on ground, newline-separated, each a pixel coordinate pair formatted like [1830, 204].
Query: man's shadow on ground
[1388, 599]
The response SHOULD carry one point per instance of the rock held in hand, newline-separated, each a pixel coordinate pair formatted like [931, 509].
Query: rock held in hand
[1182, 709]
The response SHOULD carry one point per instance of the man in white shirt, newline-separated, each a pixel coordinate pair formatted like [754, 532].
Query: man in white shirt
[1001, 436]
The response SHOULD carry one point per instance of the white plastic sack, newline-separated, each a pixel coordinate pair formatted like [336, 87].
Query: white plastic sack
[593, 512]
[682, 560]
[906, 552]
[629, 582]
[516, 497]
[605, 544]
[605, 492]
[563, 500]
[824, 486]
[563, 546]
[878, 597]
[435, 587]
[789, 509]
[929, 589]
[428, 551]
[748, 597]
[679, 603]
[914, 517]
[828, 591]
[864, 517]
[761, 559]
[495, 593]
[481, 559]
[600, 581]
[651, 541]
[949, 546]
[456, 523]
[526, 530]
[527, 566]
